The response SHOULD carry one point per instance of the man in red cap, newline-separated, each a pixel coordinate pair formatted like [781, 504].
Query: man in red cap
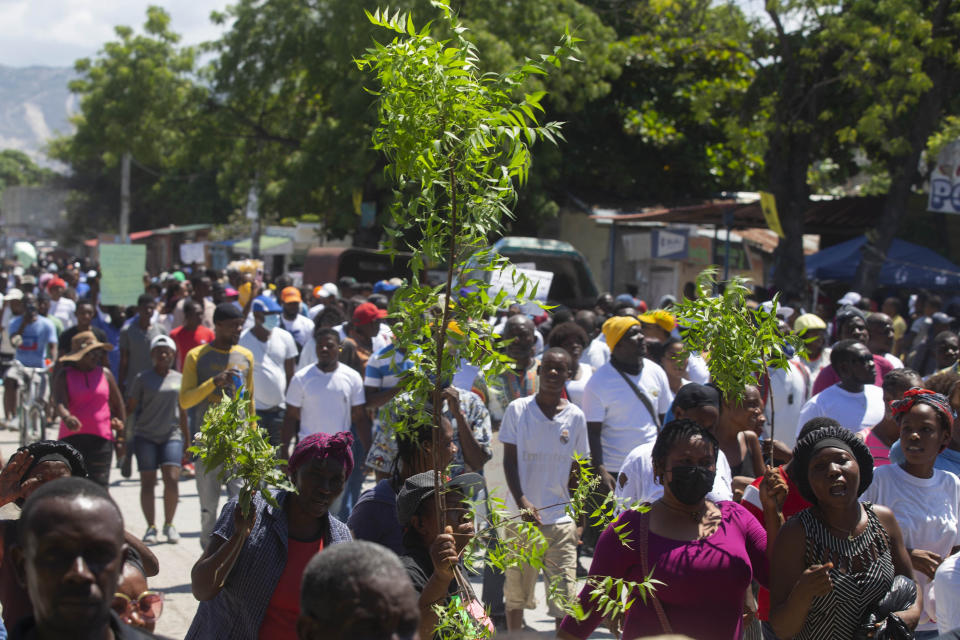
[361, 331]
[61, 306]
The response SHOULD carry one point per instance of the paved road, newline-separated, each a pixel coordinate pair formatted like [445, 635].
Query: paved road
[176, 560]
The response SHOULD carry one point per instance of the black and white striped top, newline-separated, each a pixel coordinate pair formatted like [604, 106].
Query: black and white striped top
[862, 574]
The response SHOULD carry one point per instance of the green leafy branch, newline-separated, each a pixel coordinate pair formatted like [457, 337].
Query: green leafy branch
[739, 343]
[230, 440]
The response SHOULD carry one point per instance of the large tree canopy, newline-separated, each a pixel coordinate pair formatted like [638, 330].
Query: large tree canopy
[676, 100]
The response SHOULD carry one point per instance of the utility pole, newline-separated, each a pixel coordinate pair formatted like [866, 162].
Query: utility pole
[125, 198]
[253, 214]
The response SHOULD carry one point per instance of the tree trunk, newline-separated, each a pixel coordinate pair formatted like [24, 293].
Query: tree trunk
[903, 175]
[787, 166]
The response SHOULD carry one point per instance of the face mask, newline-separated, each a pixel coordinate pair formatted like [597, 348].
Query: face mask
[270, 321]
[690, 484]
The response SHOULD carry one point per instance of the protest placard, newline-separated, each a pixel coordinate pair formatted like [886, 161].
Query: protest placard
[121, 273]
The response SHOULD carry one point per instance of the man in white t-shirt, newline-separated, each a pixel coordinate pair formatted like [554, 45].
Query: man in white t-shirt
[541, 435]
[61, 306]
[618, 418]
[636, 480]
[299, 326]
[853, 402]
[325, 397]
[275, 357]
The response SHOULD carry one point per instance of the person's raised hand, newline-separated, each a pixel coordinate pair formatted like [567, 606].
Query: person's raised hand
[926, 562]
[452, 396]
[773, 489]
[444, 554]
[780, 451]
[12, 475]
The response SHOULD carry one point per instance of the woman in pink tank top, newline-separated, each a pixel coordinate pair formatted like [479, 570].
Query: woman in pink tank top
[89, 404]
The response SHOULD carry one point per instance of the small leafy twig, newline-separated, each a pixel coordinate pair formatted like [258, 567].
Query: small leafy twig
[231, 441]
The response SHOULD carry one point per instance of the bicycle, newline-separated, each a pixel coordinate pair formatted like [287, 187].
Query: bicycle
[33, 406]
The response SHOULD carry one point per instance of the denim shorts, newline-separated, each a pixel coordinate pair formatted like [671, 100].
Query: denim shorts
[151, 455]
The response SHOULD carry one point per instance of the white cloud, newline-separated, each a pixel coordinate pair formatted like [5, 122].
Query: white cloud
[57, 32]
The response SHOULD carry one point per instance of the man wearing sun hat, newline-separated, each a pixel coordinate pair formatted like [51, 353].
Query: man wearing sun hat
[625, 399]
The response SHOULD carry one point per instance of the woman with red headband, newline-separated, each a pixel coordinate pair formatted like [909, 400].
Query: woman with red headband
[248, 578]
[925, 500]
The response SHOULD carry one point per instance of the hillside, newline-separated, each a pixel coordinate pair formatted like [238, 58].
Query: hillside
[35, 105]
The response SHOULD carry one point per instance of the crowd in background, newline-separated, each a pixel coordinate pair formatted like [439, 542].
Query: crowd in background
[859, 515]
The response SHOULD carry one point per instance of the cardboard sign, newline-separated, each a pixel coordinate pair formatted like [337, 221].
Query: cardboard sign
[121, 273]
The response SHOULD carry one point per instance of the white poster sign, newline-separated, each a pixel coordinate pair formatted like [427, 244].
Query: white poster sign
[191, 252]
[510, 280]
[945, 181]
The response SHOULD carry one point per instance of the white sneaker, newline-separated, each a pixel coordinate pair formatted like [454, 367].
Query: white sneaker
[150, 537]
[171, 534]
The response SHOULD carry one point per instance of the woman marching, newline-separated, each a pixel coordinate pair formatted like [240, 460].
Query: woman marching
[834, 562]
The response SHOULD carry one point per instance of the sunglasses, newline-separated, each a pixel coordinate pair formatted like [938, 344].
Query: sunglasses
[148, 605]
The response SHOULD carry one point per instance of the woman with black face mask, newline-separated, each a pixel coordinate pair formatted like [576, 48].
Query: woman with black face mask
[705, 554]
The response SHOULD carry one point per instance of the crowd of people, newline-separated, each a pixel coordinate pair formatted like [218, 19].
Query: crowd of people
[818, 501]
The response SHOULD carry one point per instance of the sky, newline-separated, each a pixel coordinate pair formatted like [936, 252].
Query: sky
[56, 32]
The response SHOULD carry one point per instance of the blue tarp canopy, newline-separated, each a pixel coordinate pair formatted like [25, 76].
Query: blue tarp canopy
[907, 265]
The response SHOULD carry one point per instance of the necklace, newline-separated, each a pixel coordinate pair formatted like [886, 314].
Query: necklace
[848, 533]
[695, 516]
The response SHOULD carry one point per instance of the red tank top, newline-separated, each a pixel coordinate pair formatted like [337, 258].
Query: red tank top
[280, 620]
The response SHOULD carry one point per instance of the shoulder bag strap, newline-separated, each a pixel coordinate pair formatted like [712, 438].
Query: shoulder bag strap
[643, 398]
[644, 530]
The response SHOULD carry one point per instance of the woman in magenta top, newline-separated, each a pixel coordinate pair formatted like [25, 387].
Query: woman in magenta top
[89, 404]
[705, 554]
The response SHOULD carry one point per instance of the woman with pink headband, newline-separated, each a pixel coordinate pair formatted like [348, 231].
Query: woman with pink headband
[248, 578]
[925, 500]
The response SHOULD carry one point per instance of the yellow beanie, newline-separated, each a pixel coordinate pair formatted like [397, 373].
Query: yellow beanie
[615, 327]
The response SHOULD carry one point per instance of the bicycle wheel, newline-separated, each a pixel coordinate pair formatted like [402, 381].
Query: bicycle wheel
[35, 426]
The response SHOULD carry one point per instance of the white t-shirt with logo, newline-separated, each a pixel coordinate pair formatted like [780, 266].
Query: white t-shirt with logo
[269, 373]
[627, 423]
[928, 512]
[545, 453]
[789, 388]
[641, 486]
[854, 411]
[325, 399]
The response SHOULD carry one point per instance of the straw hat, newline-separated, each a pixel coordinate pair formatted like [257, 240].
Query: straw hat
[83, 343]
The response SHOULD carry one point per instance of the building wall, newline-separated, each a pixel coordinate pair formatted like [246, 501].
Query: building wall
[633, 263]
[39, 212]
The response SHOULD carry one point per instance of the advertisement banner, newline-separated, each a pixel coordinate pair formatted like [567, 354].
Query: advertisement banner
[673, 244]
[945, 181]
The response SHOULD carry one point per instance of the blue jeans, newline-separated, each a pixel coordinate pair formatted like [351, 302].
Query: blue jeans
[343, 505]
[271, 420]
